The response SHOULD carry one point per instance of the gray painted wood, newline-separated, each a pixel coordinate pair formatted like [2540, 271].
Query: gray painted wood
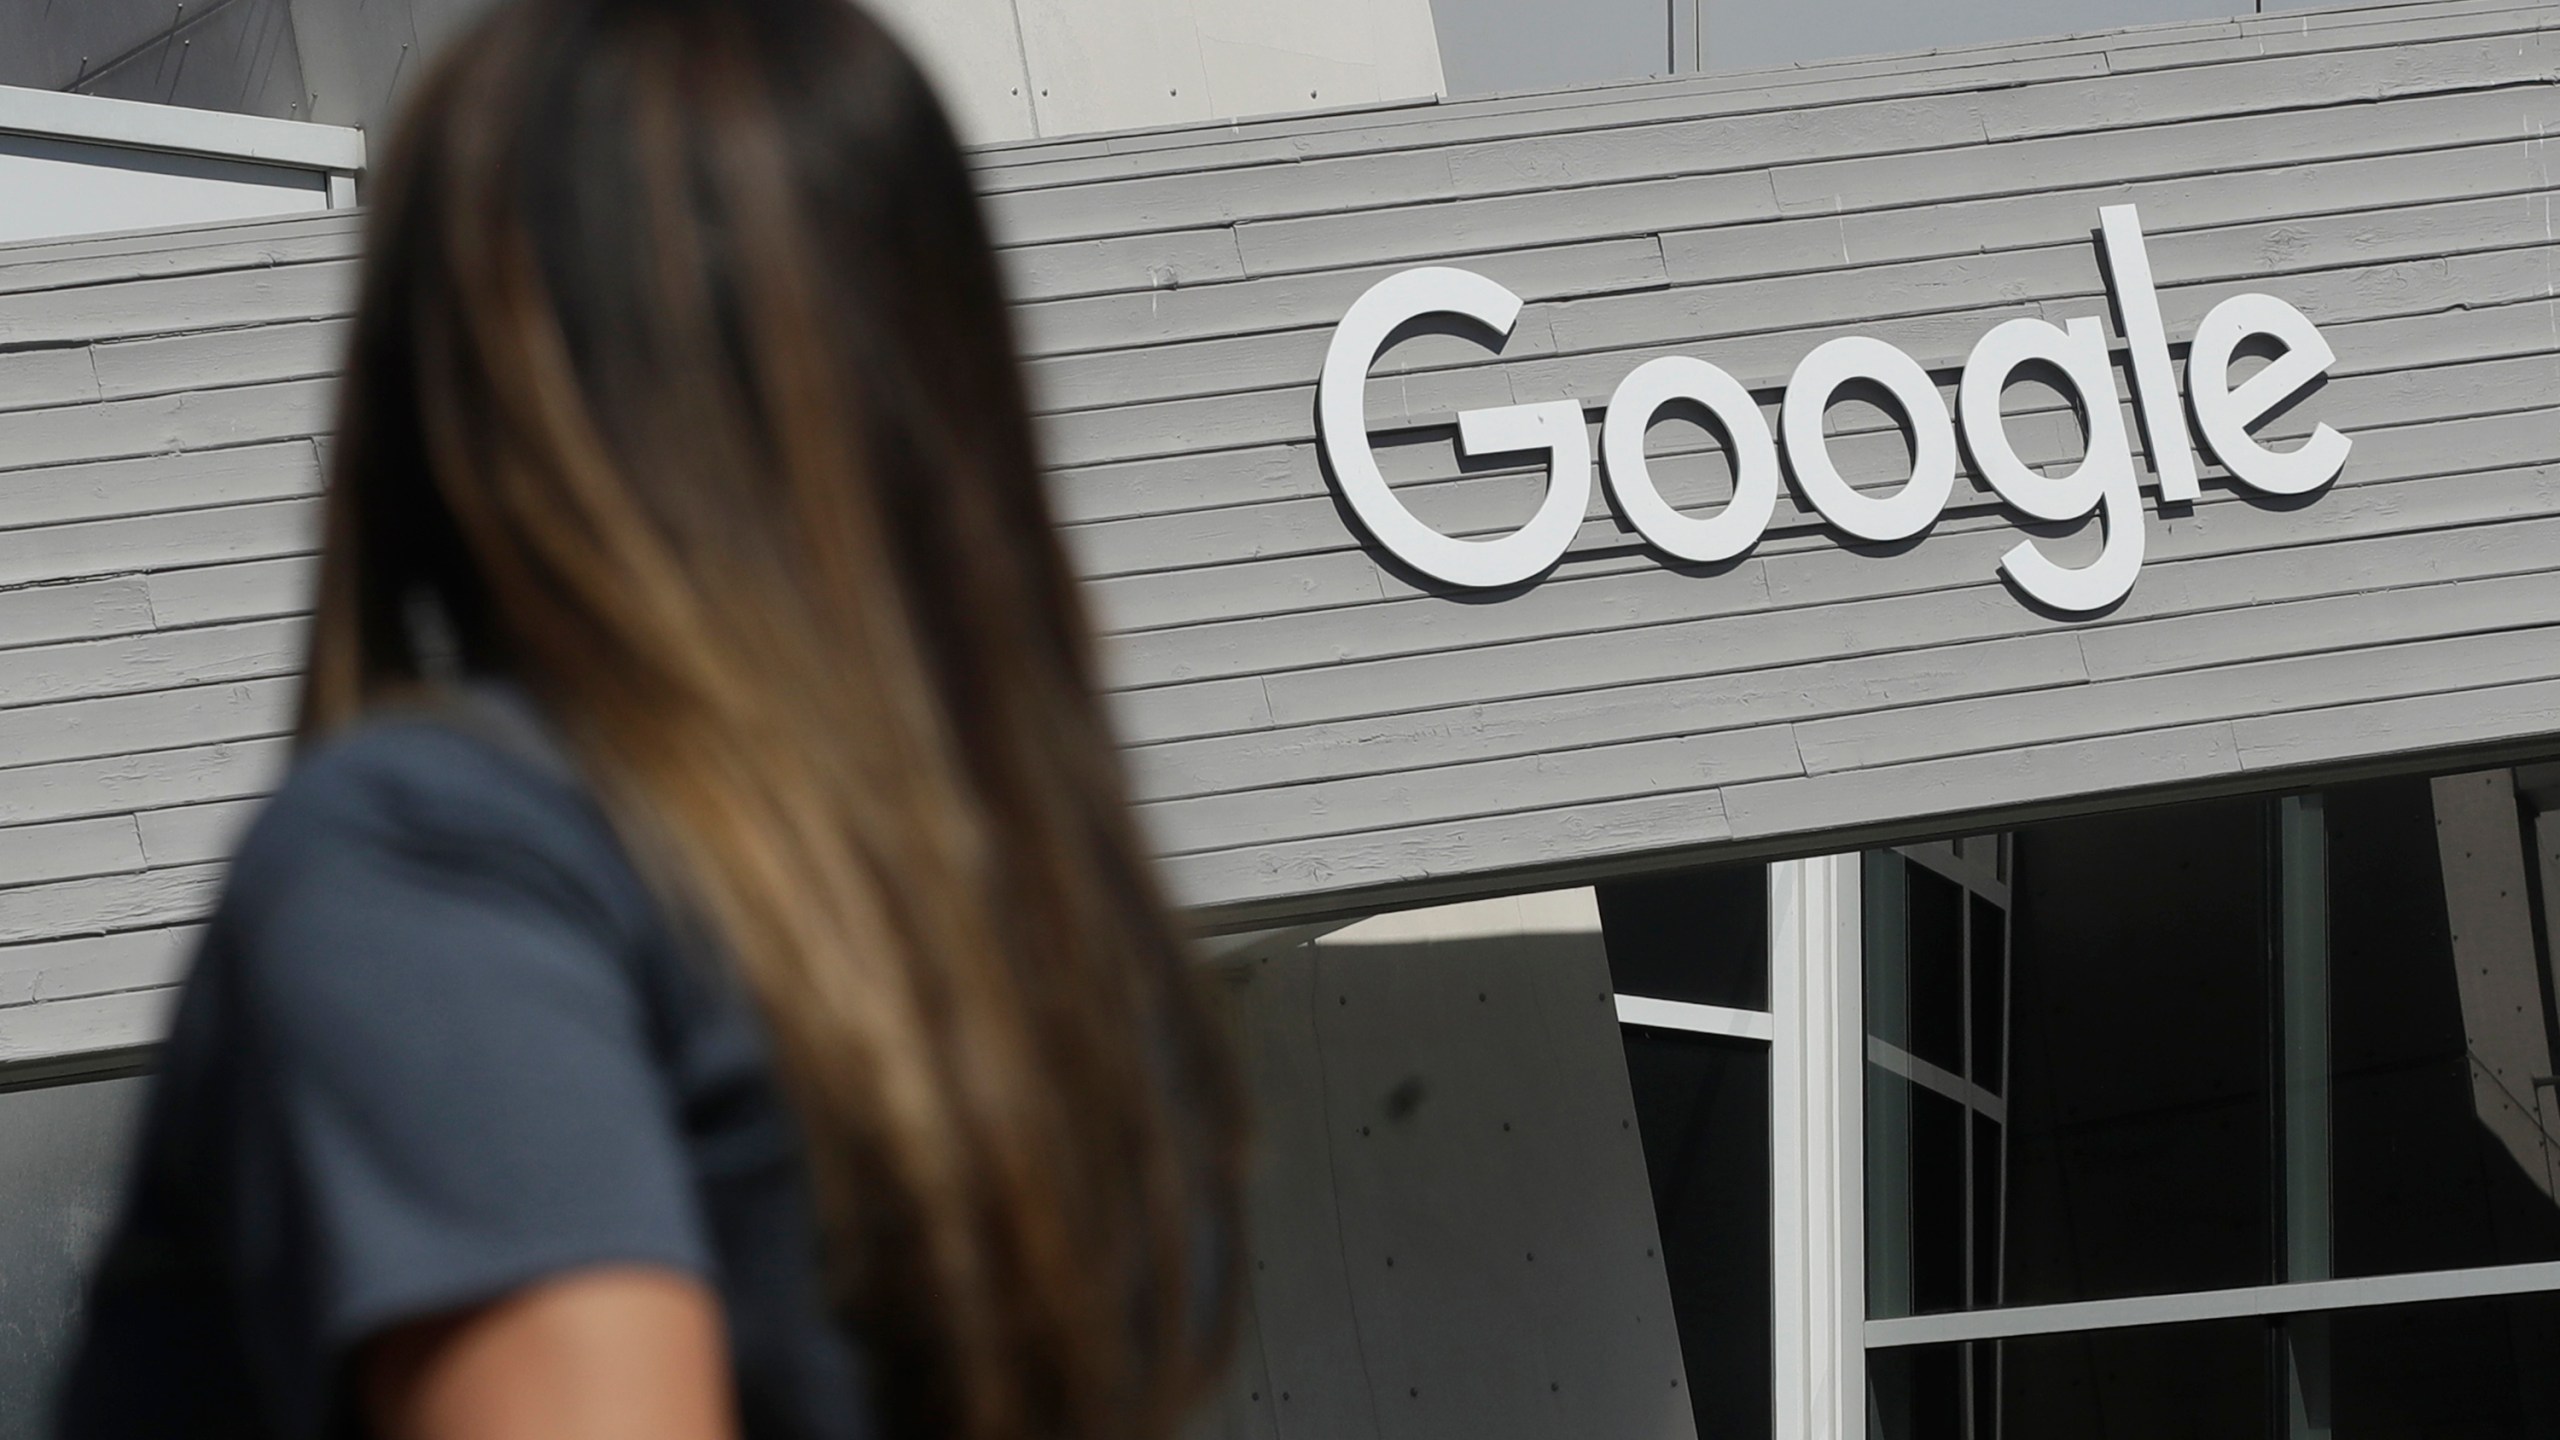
[192, 537]
[114, 902]
[54, 964]
[1490, 729]
[74, 612]
[249, 590]
[199, 420]
[183, 480]
[151, 721]
[64, 264]
[263, 295]
[55, 1029]
[258, 353]
[192, 834]
[106, 845]
[129, 784]
[156, 661]
[1580, 628]
[1312, 731]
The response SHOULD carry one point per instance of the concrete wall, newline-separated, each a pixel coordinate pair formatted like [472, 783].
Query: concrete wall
[1314, 732]
[1015, 69]
[1453, 1232]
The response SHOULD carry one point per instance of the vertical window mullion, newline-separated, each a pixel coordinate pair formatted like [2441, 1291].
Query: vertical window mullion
[1817, 1161]
[1687, 25]
[2302, 1048]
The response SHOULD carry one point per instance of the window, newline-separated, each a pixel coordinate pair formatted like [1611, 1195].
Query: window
[1492, 47]
[1689, 960]
[1937, 1000]
[2233, 1118]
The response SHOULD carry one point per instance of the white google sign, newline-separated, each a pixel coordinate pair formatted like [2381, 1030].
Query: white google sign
[2103, 483]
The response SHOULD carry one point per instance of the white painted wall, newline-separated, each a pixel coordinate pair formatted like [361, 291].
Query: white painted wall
[83, 165]
[1020, 69]
[973, 50]
[51, 188]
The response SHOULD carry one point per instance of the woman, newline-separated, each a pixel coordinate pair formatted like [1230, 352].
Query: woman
[700, 979]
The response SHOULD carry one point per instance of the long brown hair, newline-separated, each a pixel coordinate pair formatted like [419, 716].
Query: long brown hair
[683, 388]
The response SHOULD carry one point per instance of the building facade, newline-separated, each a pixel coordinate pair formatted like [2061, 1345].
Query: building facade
[1868, 746]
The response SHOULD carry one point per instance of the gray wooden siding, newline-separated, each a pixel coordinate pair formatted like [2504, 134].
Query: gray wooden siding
[1311, 731]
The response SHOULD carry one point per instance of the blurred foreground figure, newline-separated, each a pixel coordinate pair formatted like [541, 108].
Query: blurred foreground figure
[701, 978]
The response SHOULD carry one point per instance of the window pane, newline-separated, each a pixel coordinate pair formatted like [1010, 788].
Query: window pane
[2443, 1148]
[1916, 1252]
[1937, 1202]
[2194, 1382]
[2139, 1101]
[62, 1157]
[1695, 935]
[1936, 987]
[1702, 1104]
[1885, 877]
[1917, 1394]
[2474, 1369]
[1987, 942]
[1986, 1211]
[1493, 46]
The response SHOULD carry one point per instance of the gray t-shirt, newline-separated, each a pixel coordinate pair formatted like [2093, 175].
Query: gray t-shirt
[440, 1042]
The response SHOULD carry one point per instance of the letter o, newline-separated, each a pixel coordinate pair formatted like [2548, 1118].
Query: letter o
[1639, 398]
[1343, 429]
[1915, 506]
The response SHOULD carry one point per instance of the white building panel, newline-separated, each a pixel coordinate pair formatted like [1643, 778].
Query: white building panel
[973, 51]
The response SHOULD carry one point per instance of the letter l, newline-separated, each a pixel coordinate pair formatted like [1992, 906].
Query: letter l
[2155, 385]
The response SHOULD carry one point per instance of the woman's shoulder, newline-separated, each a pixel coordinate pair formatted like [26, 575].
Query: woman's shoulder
[468, 799]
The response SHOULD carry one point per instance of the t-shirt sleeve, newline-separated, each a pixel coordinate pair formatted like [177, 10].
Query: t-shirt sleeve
[449, 1090]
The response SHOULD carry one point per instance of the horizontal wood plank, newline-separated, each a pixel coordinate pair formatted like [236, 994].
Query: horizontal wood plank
[124, 784]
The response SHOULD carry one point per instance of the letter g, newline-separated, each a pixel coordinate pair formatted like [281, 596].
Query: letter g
[1343, 427]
